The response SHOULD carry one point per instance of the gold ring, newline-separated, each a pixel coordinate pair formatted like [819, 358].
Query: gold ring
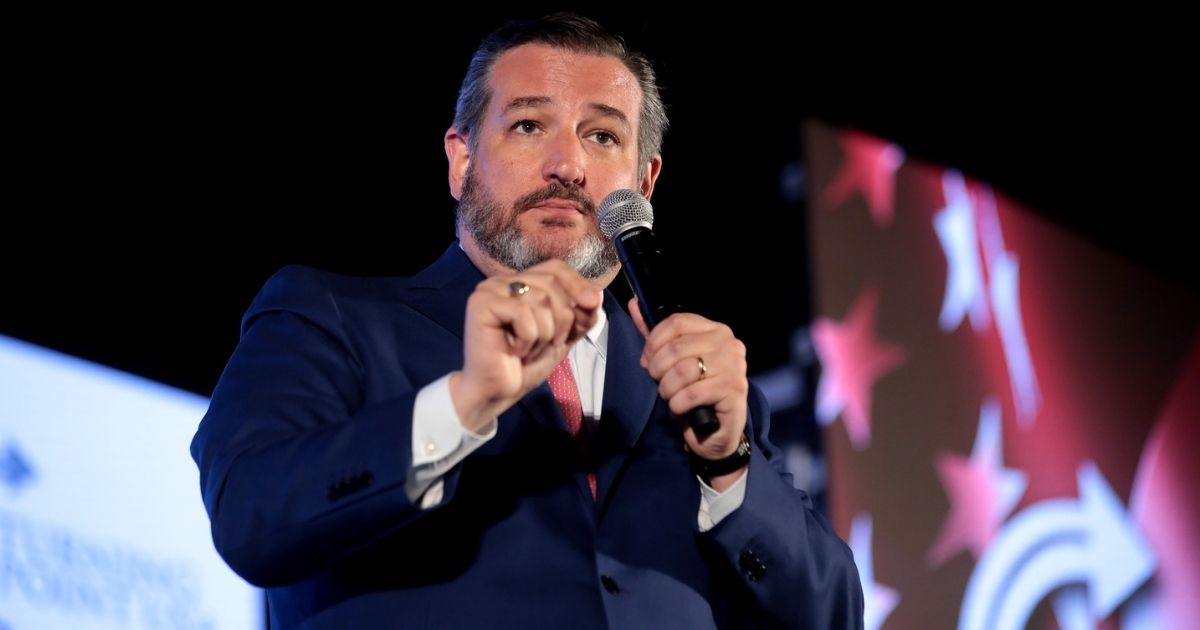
[517, 288]
[703, 368]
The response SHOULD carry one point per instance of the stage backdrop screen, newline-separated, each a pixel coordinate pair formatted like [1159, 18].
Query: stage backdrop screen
[1011, 413]
[101, 523]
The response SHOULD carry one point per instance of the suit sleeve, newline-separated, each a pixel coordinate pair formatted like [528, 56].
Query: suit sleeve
[796, 571]
[296, 473]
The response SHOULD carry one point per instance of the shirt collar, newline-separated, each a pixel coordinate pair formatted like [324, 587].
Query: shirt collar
[598, 334]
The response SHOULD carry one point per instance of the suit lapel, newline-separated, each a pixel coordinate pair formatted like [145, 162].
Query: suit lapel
[441, 290]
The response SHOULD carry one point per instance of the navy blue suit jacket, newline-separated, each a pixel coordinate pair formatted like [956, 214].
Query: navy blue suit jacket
[306, 446]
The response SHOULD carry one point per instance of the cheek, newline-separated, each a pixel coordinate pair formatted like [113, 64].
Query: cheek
[621, 173]
[512, 180]
[495, 185]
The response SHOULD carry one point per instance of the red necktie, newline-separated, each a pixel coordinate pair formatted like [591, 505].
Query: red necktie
[566, 392]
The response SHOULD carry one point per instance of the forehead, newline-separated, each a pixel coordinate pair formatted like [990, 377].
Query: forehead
[565, 77]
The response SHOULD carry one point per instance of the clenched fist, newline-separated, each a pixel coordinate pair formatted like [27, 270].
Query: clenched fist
[518, 327]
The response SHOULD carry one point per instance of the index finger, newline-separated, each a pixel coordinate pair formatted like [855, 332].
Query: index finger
[584, 293]
[675, 326]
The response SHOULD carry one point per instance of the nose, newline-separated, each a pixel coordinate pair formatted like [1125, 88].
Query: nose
[565, 160]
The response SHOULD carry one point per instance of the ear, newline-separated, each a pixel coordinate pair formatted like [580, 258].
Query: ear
[458, 154]
[650, 175]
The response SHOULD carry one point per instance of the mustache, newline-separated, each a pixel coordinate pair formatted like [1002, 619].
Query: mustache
[556, 190]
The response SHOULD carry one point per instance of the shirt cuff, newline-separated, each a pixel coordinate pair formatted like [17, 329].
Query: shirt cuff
[436, 430]
[715, 506]
[439, 441]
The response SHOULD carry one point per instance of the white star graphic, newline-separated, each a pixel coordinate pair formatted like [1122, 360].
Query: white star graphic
[982, 282]
[966, 292]
[1006, 302]
[878, 599]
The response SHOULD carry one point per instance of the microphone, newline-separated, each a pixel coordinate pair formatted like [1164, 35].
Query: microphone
[626, 218]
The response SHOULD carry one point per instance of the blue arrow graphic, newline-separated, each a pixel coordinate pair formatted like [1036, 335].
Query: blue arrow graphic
[15, 470]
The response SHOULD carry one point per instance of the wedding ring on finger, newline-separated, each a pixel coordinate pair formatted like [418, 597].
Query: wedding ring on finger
[517, 288]
[703, 368]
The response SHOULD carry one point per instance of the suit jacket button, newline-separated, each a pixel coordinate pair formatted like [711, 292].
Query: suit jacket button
[610, 584]
[752, 565]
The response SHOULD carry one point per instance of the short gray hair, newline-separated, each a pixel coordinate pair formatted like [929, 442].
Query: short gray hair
[564, 31]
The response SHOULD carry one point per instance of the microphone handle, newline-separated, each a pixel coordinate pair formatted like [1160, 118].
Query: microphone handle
[646, 270]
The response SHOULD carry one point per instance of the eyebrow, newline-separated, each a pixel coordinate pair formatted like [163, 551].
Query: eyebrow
[610, 111]
[522, 102]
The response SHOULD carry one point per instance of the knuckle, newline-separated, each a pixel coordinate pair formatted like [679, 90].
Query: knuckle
[654, 370]
[682, 369]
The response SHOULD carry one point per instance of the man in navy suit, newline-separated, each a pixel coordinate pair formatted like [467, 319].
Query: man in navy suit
[494, 443]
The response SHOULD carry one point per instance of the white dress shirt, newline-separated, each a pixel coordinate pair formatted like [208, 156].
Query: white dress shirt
[439, 441]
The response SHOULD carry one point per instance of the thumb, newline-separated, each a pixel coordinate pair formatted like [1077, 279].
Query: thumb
[636, 314]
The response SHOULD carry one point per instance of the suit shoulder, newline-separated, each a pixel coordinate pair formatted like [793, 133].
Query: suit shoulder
[318, 294]
[295, 281]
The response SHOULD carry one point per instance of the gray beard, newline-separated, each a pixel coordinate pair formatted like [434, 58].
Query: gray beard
[498, 234]
[590, 257]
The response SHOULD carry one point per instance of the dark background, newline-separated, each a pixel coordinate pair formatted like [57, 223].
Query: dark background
[163, 166]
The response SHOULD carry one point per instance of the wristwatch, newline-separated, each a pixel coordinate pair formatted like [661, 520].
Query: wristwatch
[710, 468]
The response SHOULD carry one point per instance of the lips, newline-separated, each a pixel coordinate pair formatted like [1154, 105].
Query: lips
[557, 203]
[557, 199]
[559, 208]
[565, 207]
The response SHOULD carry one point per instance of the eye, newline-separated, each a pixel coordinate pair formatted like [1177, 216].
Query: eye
[606, 138]
[525, 127]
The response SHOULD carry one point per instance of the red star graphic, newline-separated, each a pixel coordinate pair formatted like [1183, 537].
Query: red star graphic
[869, 167]
[851, 361]
[982, 491]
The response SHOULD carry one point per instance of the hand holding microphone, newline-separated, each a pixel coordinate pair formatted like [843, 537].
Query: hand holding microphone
[699, 365]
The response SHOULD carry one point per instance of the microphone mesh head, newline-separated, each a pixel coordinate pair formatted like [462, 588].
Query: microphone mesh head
[620, 208]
